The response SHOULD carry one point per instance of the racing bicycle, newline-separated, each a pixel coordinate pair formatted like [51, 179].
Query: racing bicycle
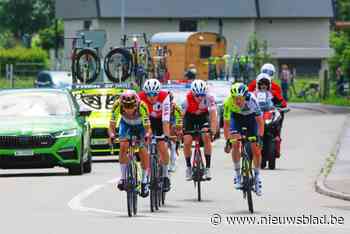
[197, 162]
[246, 167]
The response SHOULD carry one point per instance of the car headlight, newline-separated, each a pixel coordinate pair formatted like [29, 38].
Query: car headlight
[66, 133]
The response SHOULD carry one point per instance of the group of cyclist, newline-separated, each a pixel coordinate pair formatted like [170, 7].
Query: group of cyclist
[154, 111]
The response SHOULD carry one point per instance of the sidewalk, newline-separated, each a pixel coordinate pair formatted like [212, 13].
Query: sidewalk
[334, 179]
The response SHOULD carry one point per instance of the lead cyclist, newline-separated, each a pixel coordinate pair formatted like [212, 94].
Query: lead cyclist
[242, 110]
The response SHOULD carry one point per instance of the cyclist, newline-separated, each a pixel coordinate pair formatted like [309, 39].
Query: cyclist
[279, 101]
[199, 110]
[175, 128]
[158, 103]
[131, 115]
[242, 110]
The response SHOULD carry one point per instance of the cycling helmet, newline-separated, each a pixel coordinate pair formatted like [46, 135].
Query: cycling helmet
[151, 86]
[263, 78]
[199, 87]
[239, 90]
[269, 69]
[129, 99]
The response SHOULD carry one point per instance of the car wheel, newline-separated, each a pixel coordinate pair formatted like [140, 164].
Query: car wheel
[78, 169]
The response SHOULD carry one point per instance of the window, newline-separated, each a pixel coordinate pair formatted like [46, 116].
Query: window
[87, 24]
[205, 51]
[188, 25]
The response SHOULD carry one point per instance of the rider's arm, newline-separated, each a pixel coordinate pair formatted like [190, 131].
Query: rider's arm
[178, 116]
[114, 119]
[212, 114]
[227, 116]
[145, 117]
[278, 100]
[251, 86]
[166, 112]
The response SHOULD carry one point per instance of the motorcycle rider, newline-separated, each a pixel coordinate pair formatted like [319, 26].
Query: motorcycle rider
[278, 99]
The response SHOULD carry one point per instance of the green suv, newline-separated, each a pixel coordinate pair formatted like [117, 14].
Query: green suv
[43, 128]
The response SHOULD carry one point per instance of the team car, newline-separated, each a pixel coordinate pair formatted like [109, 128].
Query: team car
[99, 98]
[43, 128]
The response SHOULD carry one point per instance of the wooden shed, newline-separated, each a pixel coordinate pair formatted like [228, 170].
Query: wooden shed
[185, 48]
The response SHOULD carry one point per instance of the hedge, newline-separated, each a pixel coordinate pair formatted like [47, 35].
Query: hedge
[19, 55]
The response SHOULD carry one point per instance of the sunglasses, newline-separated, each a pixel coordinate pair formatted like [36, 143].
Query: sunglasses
[152, 94]
[269, 72]
[200, 95]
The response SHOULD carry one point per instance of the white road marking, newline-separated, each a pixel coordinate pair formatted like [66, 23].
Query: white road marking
[77, 204]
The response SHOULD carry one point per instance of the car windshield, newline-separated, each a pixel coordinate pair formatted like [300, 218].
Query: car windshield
[34, 104]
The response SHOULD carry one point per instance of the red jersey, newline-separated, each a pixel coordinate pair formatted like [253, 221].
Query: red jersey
[206, 105]
[275, 90]
[161, 108]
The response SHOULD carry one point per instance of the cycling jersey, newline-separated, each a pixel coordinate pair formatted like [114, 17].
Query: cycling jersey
[161, 108]
[206, 105]
[251, 107]
[140, 117]
[276, 91]
[176, 115]
[264, 99]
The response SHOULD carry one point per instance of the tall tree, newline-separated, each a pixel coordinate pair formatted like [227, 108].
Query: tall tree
[26, 16]
[343, 10]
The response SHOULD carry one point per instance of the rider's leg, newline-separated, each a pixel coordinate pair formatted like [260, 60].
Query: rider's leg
[144, 164]
[164, 156]
[187, 154]
[252, 130]
[173, 155]
[123, 159]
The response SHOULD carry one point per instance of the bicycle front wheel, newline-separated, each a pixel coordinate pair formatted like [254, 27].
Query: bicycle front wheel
[248, 185]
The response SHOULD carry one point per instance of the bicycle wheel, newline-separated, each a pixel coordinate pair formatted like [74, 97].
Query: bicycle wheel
[199, 195]
[134, 190]
[154, 186]
[248, 180]
[160, 186]
[118, 64]
[248, 184]
[130, 190]
[87, 66]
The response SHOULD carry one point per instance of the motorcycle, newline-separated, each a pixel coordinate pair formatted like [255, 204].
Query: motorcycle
[272, 123]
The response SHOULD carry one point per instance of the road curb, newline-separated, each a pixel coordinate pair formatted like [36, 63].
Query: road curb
[320, 185]
[309, 108]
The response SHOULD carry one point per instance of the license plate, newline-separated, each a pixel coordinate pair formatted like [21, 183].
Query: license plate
[23, 153]
[99, 141]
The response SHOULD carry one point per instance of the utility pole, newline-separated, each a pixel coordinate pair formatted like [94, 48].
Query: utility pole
[122, 20]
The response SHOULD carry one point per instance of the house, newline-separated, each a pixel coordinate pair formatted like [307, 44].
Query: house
[297, 31]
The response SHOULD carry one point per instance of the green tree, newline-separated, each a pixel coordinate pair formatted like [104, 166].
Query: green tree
[47, 36]
[258, 51]
[26, 16]
[343, 10]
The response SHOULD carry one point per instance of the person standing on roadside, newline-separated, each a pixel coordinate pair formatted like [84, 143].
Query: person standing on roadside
[285, 77]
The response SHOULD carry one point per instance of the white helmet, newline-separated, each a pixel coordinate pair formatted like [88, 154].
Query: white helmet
[263, 77]
[199, 87]
[269, 69]
[151, 86]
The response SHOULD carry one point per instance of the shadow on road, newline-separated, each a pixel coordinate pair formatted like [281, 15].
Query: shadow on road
[45, 174]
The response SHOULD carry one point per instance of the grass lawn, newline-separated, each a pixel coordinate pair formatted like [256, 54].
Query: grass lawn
[19, 82]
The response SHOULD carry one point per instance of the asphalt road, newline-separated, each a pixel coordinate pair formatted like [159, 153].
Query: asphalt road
[51, 202]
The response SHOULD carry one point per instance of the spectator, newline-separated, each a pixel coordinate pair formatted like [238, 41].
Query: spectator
[191, 72]
[285, 77]
[340, 81]
[292, 80]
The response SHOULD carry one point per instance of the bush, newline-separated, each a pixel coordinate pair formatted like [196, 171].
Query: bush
[17, 55]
